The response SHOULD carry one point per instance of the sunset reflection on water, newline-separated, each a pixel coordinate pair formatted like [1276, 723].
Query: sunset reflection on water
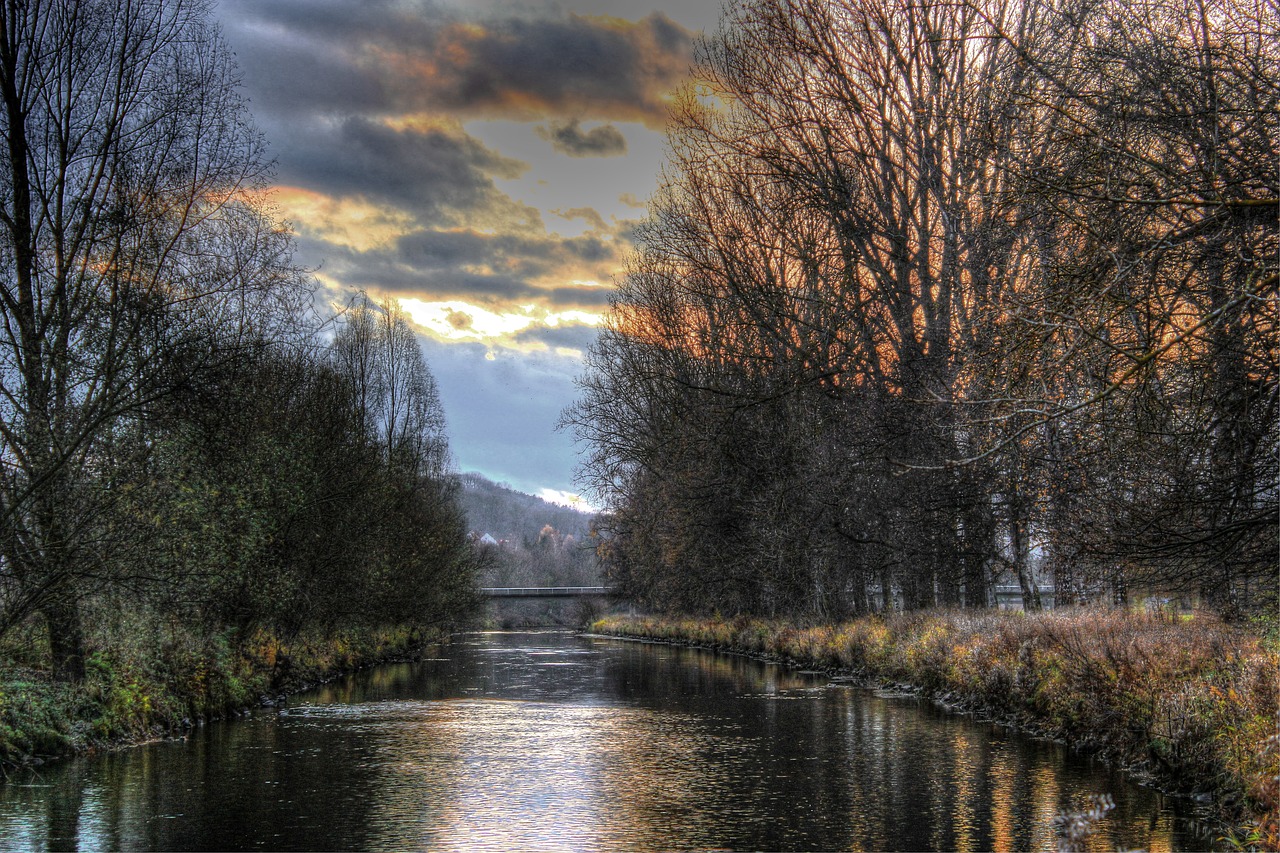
[552, 742]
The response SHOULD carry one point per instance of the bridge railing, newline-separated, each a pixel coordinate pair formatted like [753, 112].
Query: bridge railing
[547, 591]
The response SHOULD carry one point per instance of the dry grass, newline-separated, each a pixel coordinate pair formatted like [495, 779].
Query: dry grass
[1193, 701]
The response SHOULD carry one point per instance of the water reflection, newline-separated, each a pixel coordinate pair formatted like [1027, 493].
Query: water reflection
[546, 741]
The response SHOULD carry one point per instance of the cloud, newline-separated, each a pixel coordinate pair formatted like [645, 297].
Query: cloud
[591, 298]
[375, 111]
[587, 214]
[526, 328]
[395, 58]
[375, 271]
[527, 68]
[440, 174]
[386, 187]
[495, 405]
[346, 222]
[459, 270]
[567, 137]
[496, 270]
[565, 339]
[531, 256]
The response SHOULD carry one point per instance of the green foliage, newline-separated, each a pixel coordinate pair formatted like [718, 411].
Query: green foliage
[274, 501]
[160, 675]
[35, 718]
[275, 537]
[1266, 625]
[206, 496]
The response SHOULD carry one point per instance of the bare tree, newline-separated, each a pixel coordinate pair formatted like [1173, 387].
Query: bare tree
[130, 243]
[398, 399]
[932, 289]
[1150, 296]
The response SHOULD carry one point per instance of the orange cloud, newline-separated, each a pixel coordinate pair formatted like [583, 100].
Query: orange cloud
[348, 222]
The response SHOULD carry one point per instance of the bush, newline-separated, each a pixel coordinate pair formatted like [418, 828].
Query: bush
[146, 677]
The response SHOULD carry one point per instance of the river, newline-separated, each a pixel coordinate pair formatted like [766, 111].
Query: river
[547, 741]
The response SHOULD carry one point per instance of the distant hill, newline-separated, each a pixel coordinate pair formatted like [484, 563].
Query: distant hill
[527, 541]
[504, 513]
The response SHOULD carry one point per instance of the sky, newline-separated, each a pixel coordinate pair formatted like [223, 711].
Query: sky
[482, 162]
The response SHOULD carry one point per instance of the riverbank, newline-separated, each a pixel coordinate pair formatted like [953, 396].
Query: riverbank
[1190, 704]
[140, 692]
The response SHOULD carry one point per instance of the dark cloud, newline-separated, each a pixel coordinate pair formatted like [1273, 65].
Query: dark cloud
[498, 290]
[592, 298]
[574, 65]
[444, 249]
[437, 269]
[291, 74]
[568, 137]
[591, 249]
[530, 256]
[384, 270]
[384, 57]
[436, 173]
[494, 291]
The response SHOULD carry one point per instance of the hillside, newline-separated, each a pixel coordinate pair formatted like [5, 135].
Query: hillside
[538, 544]
[504, 513]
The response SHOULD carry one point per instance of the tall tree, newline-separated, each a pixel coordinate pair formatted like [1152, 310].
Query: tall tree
[932, 290]
[376, 349]
[129, 244]
[1150, 306]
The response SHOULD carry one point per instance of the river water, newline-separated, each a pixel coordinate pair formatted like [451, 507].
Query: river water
[547, 741]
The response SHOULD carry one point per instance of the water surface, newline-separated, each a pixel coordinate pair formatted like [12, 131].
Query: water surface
[546, 741]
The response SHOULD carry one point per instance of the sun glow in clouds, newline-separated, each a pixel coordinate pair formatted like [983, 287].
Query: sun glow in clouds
[461, 321]
[351, 223]
[569, 318]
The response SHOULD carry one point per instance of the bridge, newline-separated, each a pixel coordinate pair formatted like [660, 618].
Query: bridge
[549, 591]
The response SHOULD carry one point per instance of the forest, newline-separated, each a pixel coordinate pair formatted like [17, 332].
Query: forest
[209, 481]
[935, 297]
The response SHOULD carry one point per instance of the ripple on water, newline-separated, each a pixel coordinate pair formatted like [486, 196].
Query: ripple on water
[510, 743]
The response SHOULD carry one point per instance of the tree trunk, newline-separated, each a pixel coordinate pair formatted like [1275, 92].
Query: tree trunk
[1021, 542]
[976, 585]
[66, 636]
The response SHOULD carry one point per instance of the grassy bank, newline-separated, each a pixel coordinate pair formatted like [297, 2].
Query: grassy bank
[1190, 702]
[163, 679]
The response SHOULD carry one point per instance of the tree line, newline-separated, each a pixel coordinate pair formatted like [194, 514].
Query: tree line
[181, 437]
[938, 293]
